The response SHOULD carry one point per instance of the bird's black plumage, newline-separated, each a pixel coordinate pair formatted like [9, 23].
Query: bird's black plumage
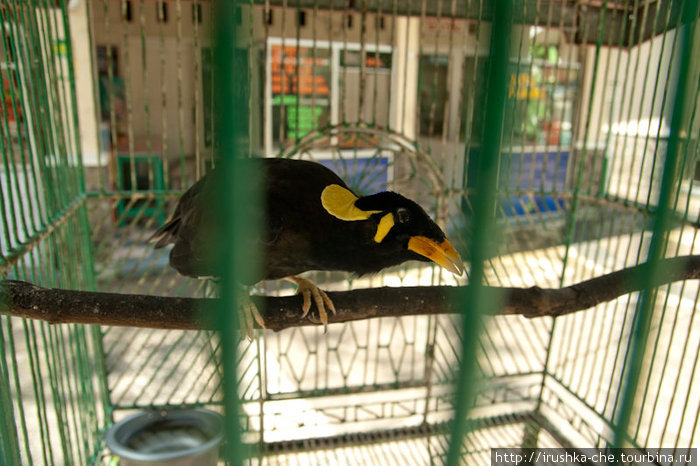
[301, 233]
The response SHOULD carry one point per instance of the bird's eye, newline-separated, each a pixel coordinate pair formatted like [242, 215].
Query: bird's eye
[403, 215]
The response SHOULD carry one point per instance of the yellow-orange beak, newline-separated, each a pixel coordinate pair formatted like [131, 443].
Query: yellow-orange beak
[443, 254]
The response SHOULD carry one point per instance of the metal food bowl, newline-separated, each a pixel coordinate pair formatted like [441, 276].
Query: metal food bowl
[182, 437]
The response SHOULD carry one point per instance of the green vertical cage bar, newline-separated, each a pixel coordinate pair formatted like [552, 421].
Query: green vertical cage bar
[477, 301]
[231, 91]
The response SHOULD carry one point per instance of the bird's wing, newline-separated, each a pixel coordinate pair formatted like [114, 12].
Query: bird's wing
[187, 231]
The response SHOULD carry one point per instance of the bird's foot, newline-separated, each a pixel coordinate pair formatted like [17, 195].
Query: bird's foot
[307, 290]
[248, 312]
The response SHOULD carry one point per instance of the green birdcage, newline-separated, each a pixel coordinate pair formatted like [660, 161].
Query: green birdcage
[554, 141]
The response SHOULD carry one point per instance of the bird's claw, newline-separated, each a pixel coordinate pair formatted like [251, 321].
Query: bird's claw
[248, 312]
[308, 290]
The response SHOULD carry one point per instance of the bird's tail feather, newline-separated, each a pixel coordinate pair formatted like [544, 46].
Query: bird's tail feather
[166, 234]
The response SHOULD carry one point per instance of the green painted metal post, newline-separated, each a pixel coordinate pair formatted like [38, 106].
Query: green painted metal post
[236, 202]
[476, 301]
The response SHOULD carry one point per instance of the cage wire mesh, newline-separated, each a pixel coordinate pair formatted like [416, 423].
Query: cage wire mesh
[107, 116]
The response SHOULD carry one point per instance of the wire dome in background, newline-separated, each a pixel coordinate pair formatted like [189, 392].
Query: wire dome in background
[369, 158]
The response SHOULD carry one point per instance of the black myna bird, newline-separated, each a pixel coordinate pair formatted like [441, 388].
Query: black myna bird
[313, 222]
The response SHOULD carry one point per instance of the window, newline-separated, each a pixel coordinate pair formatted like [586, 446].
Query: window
[111, 86]
[300, 91]
[541, 92]
[162, 12]
[473, 99]
[127, 13]
[197, 13]
[433, 94]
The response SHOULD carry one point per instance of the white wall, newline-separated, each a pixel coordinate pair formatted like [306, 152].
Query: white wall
[84, 82]
[629, 102]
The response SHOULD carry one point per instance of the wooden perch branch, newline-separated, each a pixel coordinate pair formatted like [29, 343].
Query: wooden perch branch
[23, 299]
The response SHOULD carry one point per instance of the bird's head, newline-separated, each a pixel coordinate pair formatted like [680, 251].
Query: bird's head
[402, 226]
